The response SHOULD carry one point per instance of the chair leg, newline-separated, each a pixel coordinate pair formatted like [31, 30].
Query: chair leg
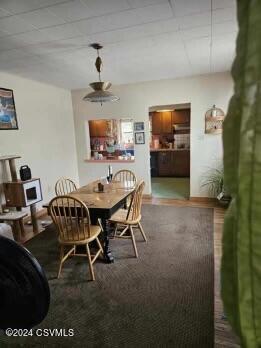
[142, 232]
[124, 231]
[133, 242]
[99, 245]
[90, 261]
[115, 231]
[100, 224]
[61, 261]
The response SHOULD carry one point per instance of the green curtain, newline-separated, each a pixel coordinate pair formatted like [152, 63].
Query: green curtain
[241, 262]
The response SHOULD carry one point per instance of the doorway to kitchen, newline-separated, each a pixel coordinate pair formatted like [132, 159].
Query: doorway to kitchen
[170, 151]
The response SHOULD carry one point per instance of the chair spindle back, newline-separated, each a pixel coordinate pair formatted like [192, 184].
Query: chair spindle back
[136, 200]
[64, 186]
[71, 217]
[124, 175]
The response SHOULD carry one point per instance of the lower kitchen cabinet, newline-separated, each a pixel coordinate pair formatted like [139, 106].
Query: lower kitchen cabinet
[180, 163]
[174, 163]
[164, 163]
[154, 168]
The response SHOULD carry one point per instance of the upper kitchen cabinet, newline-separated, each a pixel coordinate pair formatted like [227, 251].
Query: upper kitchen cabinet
[166, 122]
[98, 128]
[161, 122]
[181, 116]
[156, 122]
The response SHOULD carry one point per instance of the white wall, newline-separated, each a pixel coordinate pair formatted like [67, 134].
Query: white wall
[45, 139]
[135, 99]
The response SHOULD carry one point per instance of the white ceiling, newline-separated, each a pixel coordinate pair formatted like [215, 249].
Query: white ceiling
[47, 40]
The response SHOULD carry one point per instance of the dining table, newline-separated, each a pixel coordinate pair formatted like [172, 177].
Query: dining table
[103, 204]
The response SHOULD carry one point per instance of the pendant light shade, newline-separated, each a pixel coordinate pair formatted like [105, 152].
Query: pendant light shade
[101, 93]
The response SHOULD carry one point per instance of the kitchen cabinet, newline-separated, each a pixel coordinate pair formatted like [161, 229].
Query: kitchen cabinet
[156, 123]
[181, 116]
[166, 122]
[154, 170]
[171, 163]
[164, 163]
[162, 122]
[180, 163]
[98, 128]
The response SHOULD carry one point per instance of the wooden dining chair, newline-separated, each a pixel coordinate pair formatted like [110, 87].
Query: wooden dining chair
[127, 176]
[72, 220]
[64, 186]
[124, 175]
[129, 219]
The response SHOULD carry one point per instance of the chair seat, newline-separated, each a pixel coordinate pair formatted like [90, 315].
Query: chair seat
[94, 232]
[121, 217]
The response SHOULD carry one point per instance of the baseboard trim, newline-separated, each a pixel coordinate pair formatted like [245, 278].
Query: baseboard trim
[203, 199]
[147, 195]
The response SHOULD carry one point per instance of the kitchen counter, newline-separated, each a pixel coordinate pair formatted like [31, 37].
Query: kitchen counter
[112, 160]
[168, 150]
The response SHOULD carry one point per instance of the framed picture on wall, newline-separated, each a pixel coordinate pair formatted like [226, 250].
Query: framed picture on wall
[138, 126]
[140, 138]
[8, 118]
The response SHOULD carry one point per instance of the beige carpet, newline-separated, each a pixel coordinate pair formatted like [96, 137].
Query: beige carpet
[163, 299]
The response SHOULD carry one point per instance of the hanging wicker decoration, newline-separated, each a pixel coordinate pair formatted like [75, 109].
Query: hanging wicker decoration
[214, 118]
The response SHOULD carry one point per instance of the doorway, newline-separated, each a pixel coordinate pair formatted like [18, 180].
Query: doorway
[170, 151]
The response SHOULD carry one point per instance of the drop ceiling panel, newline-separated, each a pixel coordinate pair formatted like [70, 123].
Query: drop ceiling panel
[188, 7]
[4, 13]
[3, 33]
[125, 19]
[224, 4]
[48, 48]
[194, 33]
[224, 28]
[198, 52]
[101, 7]
[20, 64]
[20, 6]
[8, 43]
[61, 32]
[72, 10]
[193, 21]
[197, 49]
[143, 40]
[32, 37]
[14, 25]
[224, 14]
[41, 18]
[143, 3]
[13, 54]
[138, 32]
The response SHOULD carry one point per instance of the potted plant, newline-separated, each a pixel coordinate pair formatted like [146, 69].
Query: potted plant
[214, 180]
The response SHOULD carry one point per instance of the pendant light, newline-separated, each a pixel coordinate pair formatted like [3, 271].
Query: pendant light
[101, 93]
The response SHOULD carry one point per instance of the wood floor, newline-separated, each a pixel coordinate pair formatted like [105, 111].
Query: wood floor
[224, 337]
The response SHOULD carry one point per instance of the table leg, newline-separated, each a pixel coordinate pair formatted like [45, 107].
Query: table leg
[34, 218]
[107, 252]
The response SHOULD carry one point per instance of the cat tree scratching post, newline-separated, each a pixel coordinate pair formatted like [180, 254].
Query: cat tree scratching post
[22, 193]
